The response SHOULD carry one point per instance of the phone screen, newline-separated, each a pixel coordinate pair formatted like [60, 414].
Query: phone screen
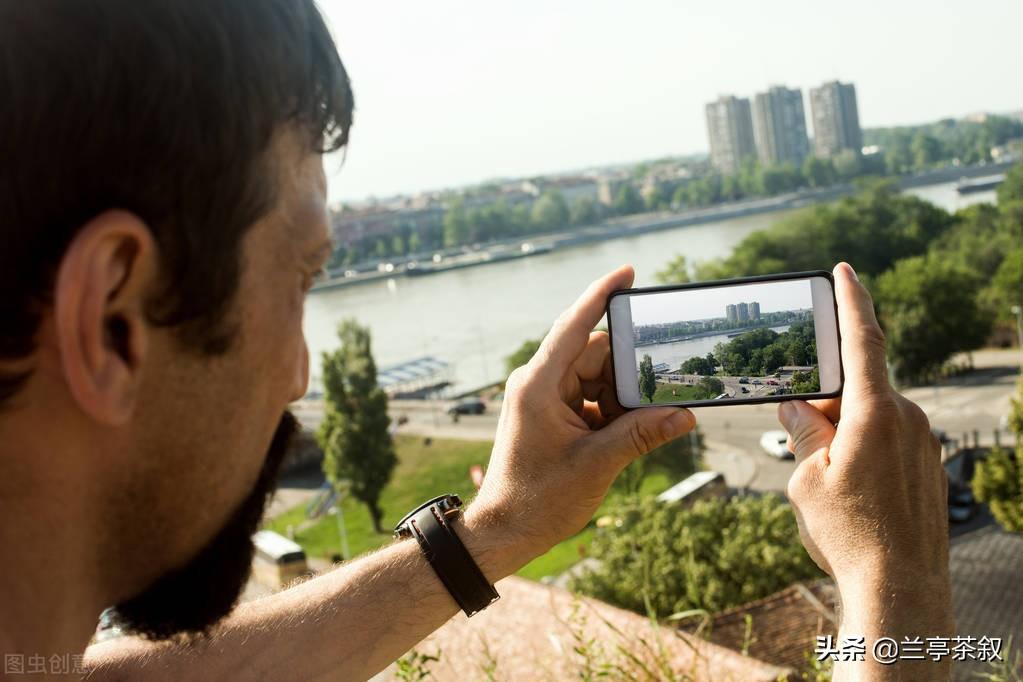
[750, 340]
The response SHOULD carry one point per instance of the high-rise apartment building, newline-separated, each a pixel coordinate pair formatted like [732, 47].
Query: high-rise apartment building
[836, 119]
[742, 311]
[730, 313]
[754, 310]
[779, 126]
[730, 128]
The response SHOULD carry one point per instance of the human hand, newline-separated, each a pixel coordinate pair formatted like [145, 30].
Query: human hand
[869, 489]
[562, 438]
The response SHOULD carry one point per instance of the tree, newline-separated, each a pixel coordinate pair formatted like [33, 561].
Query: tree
[357, 449]
[929, 311]
[712, 386]
[698, 365]
[713, 555]
[998, 478]
[584, 212]
[414, 243]
[926, 150]
[675, 272]
[550, 212]
[627, 200]
[1012, 188]
[1006, 288]
[818, 172]
[522, 354]
[647, 380]
[847, 164]
[806, 382]
[456, 225]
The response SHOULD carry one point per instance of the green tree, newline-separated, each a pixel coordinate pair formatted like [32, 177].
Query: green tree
[627, 200]
[456, 225]
[584, 212]
[712, 386]
[713, 555]
[550, 211]
[848, 164]
[398, 245]
[698, 365]
[357, 449]
[929, 311]
[414, 244]
[647, 380]
[806, 382]
[1006, 288]
[818, 172]
[675, 272]
[522, 354]
[1012, 188]
[926, 150]
[998, 478]
[778, 179]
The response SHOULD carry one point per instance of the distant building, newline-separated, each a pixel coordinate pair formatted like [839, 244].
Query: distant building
[742, 310]
[383, 222]
[730, 313]
[572, 189]
[754, 310]
[730, 129]
[836, 119]
[779, 126]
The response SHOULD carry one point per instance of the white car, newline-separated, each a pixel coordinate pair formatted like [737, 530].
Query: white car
[775, 443]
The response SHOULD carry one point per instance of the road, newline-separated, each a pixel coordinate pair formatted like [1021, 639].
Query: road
[977, 401]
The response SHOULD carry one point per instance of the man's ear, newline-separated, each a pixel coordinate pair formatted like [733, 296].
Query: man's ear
[104, 279]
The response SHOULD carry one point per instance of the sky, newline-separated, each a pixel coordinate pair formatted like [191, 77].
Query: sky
[699, 304]
[450, 93]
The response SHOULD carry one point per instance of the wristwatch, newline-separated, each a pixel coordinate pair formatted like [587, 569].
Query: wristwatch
[451, 561]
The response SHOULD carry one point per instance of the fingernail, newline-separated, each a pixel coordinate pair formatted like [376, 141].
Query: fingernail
[677, 423]
[787, 413]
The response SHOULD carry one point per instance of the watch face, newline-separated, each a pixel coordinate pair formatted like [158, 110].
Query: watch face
[446, 503]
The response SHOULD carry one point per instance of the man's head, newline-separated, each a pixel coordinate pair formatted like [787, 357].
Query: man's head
[162, 214]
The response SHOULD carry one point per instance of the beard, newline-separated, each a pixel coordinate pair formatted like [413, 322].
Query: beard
[187, 602]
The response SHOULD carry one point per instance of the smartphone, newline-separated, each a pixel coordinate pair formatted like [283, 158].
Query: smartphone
[727, 342]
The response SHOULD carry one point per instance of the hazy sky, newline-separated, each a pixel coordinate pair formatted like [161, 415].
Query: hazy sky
[699, 304]
[455, 92]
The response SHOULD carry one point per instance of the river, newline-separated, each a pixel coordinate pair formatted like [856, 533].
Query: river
[474, 317]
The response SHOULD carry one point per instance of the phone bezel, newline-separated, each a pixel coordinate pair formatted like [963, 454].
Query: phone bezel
[727, 282]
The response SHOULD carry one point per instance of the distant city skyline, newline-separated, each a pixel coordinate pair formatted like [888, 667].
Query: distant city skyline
[452, 94]
[703, 304]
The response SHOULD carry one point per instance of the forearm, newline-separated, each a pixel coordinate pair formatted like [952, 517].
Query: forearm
[884, 609]
[347, 624]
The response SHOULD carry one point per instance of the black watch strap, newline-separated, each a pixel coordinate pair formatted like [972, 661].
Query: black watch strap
[447, 555]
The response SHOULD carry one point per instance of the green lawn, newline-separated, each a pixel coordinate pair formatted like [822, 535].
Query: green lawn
[424, 472]
[683, 392]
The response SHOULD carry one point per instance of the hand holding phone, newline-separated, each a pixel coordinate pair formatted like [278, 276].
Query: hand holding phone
[728, 342]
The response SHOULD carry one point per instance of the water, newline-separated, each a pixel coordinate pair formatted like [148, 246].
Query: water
[473, 318]
[679, 351]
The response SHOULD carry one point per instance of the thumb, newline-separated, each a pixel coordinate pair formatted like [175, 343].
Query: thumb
[809, 430]
[639, 431]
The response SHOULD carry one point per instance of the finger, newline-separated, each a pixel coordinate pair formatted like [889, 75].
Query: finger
[593, 417]
[571, 332]
[637, 432]
[590, 363]
[810, 432]
[830, 407]
[863, 347]
[603, 395]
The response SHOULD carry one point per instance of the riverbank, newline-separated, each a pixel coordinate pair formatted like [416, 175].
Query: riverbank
[639, 224]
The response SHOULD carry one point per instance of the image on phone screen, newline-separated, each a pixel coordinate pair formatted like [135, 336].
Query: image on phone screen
[741, 341]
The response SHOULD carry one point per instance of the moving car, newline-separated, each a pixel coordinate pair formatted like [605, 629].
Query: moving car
[471, 405]
[774, 443]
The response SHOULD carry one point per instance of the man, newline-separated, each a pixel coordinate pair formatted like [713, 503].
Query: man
[162, 215]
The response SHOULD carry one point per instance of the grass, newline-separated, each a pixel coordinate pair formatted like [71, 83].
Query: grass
[683, 392]
[424, 472]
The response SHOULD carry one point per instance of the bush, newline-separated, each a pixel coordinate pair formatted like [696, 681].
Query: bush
[714, 555]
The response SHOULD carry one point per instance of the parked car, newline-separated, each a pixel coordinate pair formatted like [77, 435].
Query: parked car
[772, 382]
[743, 380]
[471, 405]
[775, 443]
[961, 504]
[757, 382]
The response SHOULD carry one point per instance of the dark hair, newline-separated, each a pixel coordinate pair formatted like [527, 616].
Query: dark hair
[167, 109]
